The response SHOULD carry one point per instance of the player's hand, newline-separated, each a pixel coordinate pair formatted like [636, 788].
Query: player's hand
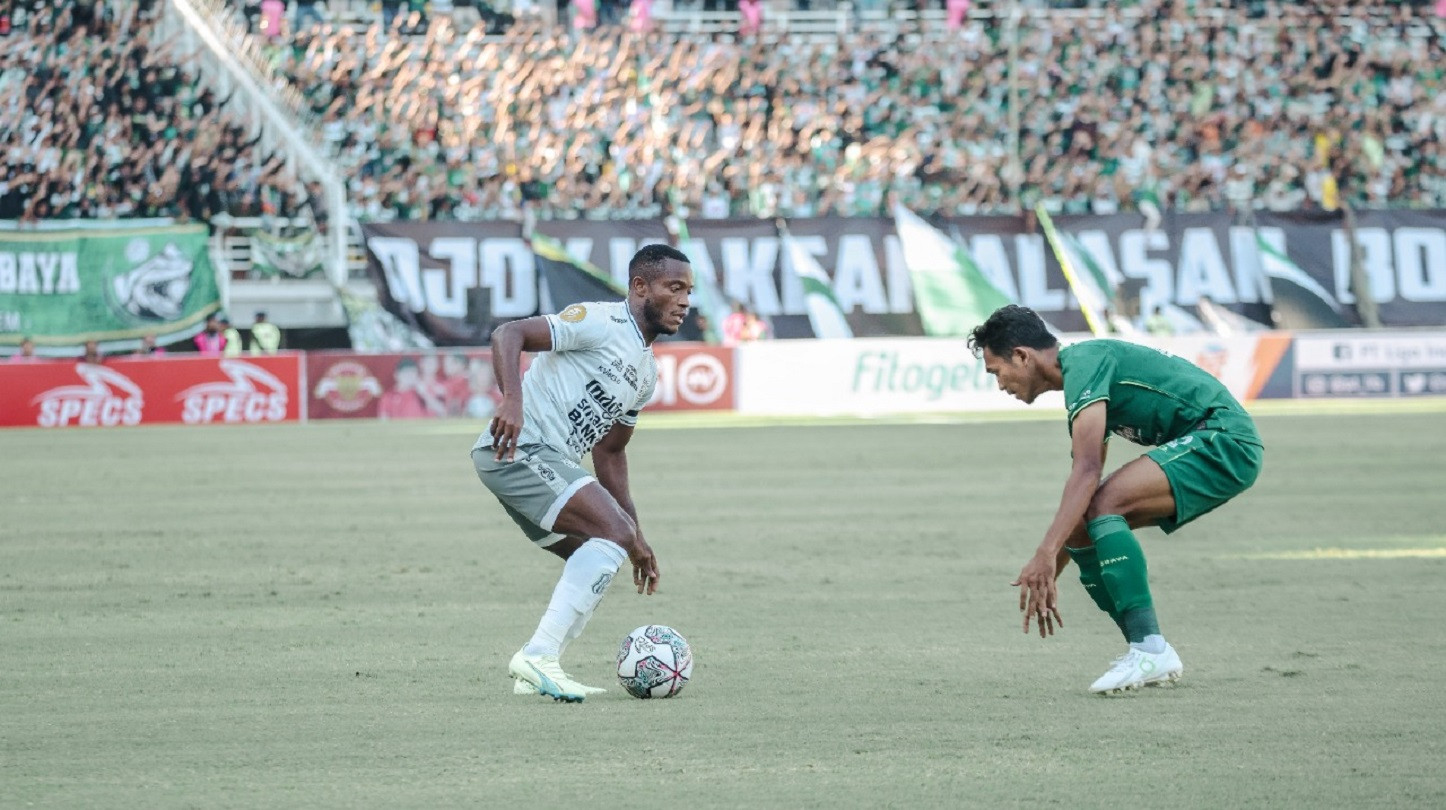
[505, 427]
[645, 566]
[1038, 596]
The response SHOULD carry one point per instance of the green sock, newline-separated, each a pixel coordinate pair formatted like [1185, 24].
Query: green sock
[1122, 567]
[1089, 575]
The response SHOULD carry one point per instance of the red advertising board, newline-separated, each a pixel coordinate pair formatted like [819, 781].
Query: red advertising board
[460, 383]
[693, 377]
[126, 391]
[415, 385]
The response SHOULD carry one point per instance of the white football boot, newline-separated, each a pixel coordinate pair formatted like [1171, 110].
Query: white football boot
[521, 687]
[545, 675]
[1137, 668]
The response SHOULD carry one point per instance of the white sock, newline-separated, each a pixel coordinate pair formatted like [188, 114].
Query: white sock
[1153, 644]
[573, 632]
[584, 579]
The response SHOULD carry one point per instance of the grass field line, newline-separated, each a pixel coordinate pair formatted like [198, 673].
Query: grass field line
[1424, 553]
[686, 420]
[1397, 547]
[322, 616]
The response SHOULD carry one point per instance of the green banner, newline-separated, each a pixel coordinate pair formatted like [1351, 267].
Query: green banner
[296, 256]
[62, 288]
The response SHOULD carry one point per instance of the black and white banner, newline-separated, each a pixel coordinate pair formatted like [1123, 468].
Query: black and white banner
[429, 273]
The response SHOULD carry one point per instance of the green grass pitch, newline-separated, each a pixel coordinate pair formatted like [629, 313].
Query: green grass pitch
[321, 616]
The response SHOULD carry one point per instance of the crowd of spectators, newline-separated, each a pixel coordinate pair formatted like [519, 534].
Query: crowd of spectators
[100, 117]
[1160, 105]
[1181, 105]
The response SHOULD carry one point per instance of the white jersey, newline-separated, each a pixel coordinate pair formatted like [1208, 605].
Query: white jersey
[599, 373]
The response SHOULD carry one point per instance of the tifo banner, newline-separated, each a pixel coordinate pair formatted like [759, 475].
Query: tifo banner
[124, 391]
[62, 288]
[1371, 364]
[452, 280]
[460, 383]
[930, 375]
[1301, 261]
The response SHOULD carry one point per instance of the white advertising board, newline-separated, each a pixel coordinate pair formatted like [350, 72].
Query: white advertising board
[930, 375]
[868, 376]
[1373, 364]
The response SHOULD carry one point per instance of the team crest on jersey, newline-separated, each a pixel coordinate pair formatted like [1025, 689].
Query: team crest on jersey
[573, 313]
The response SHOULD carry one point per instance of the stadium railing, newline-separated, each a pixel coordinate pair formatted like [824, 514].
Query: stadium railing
[231, 54]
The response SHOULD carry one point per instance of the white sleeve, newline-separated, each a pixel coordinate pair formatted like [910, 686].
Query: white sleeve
[579, 326]
[630, 418]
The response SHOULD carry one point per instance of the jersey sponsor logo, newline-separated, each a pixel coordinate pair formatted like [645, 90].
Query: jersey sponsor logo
[617, 371]
[348, 387]
[603, 580]
[1113, 560]
[1183, 441]
[107, 398]
[250, 394]
[616, 319]
[592, 416]
[1129, 434]
[573, 313]
[544, 471]
[607, 371]
[610, 404]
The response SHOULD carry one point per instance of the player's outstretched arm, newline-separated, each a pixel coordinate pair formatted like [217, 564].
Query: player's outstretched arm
[610, 462]
[1038, 594]
[509, 341]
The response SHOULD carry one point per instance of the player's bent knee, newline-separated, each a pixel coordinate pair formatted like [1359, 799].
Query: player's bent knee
[623, 532]
[1101, 504]
[592, 512]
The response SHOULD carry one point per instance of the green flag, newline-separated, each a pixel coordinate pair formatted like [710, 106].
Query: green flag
[951, 293]
[1297, 300]
[824, 313]
[65, 287]
[565, 279]
[1093, 291]
[295, 256]
[708, 300]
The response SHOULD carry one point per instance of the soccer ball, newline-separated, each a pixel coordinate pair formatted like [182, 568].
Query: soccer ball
[654, 662]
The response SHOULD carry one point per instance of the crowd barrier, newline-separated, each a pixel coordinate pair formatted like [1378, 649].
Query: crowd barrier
[781, 377]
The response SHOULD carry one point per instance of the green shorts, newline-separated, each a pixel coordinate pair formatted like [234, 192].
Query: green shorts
[533, 488]
[1206, 468]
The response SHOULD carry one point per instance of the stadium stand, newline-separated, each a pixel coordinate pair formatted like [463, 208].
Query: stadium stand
[1158, 104]
[1182, 106]
[105, 119]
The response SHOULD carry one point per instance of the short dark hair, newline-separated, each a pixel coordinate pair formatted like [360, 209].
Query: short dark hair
[649, 261]
[1008, 328]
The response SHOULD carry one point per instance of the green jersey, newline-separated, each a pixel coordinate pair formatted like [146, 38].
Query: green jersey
[1151, 397]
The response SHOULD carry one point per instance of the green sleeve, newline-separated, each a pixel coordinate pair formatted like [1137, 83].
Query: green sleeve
[1088, 371]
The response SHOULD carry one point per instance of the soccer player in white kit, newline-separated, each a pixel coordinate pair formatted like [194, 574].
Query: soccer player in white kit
[593, 374]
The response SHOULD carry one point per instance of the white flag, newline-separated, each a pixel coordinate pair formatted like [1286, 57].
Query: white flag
[824, 313]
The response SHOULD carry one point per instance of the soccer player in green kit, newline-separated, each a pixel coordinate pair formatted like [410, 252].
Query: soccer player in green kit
[1206, 451]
